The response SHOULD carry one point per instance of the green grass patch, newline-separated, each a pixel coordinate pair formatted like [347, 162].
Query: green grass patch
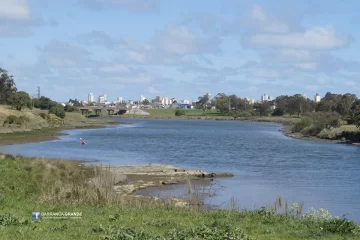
[349, 128]
[41, 185]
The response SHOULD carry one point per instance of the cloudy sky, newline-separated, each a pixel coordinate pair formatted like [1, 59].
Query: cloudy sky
[181, 49]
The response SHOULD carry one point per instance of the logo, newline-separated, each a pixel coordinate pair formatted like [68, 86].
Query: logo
[36, 215]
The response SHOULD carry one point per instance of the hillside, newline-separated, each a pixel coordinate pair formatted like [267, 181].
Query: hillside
[12, 121]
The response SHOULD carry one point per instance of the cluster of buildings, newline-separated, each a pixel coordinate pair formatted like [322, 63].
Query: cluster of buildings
[165, 102]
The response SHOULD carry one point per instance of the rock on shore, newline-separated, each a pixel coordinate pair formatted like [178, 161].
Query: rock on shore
[127, 179]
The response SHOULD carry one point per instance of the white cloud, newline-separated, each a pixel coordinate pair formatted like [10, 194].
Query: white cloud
[177, 40]
[14, 9]
[321, 38]
[262, 21]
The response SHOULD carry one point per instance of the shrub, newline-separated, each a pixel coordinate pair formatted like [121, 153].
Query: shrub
[300, 126]
[179, 112]
[69, 108]
[43, 115]
[334, 133]
[58, 111]
[12, 119]
[278, 112]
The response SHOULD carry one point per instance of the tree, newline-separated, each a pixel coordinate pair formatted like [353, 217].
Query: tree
[357, 116]
[145, 102]
[7, 86]
[19, 100]
[278, 112]
[44, 103]
[203, 101]
[75, 102]
[69, 108]
[58, 111]
[221, 102]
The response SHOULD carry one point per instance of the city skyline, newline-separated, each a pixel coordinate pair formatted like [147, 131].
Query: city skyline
[182, 48]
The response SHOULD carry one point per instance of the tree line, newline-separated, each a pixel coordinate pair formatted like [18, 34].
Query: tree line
[20, 99]
[341, 106]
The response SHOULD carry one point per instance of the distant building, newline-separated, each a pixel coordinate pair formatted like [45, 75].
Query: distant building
[102, 98]
[250, 100]
[304, 96]
[265, 98]
[91, 98]
[142, 98]
[317, 98]
[119, 100]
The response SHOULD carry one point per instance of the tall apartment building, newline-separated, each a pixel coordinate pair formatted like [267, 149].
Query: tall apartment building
[317, 98]
[142, 98]
[102, 98]
[265, 98]
[91, 98]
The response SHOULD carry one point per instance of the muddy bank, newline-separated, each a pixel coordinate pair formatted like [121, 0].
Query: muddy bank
[126, 180]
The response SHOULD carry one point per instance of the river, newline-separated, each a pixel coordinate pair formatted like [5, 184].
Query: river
[266, 163]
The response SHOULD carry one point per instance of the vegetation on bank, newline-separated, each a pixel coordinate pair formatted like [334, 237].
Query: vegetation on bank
[29, 185]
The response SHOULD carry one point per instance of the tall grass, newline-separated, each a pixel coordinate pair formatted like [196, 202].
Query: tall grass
[28, 184]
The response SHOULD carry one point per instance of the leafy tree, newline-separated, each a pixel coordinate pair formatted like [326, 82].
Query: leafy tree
[7, 86]
[19, 100]
[145, 102]
[357, 116]
[278, 112]
[75, 102]
[58, 111]
[221, 102]
[343, 106]
[69, 108]
[263, 108]
[44, 103]
[203, 102]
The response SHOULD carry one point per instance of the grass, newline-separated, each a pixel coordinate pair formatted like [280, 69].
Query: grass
[38, 130]
[28, 185]
[350, 128]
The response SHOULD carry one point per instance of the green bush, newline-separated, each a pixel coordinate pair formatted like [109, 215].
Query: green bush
[300, 126]
[179, 112]
[43, 115]
[12, 119]
[69, 108]
[58, 111]
[334, 133]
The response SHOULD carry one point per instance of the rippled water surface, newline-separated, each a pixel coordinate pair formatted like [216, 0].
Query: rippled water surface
[266, 164]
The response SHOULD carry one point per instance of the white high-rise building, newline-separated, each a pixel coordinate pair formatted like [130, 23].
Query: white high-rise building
[265, 98]
[119, 99]
[91, 98]
[317, 98]
[142, 98]
[102, 98]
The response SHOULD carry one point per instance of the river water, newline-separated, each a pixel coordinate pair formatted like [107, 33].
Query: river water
[266, 163]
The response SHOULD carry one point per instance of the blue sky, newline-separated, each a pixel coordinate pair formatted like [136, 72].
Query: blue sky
[181, 49]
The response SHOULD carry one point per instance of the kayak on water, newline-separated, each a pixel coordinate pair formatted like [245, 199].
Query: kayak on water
[82, 141]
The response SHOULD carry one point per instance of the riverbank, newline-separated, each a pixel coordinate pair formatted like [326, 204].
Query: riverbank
[42, 185]
[39, 126]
